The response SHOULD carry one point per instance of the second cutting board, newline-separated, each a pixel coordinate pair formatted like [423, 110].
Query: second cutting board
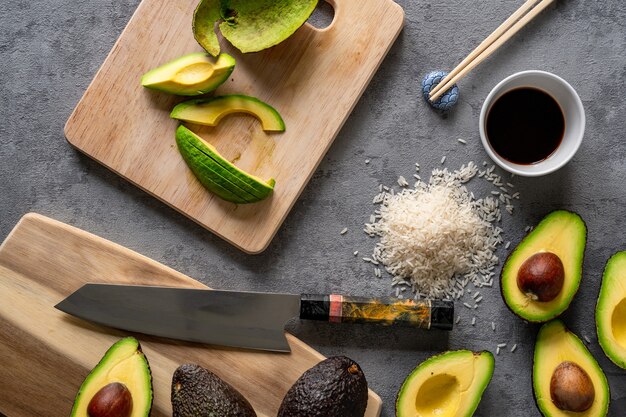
[314, 80]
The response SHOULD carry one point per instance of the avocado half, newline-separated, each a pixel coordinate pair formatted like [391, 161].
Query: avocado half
[249, 25]
[611, 310]
[190, 75]
[555, 345]
[124, 363]
[450, 384]
[218, 175]
[209, 111]
[563, 233]
[334, 387]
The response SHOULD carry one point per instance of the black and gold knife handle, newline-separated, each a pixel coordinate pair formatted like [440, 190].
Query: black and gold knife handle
[425, 314]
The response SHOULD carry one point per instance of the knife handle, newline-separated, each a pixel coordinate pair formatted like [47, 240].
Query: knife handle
[333, 308]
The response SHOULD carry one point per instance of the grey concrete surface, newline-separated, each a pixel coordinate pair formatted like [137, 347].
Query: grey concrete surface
[50, 50]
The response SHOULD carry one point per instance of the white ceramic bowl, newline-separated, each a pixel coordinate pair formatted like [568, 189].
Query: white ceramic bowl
[573, 112]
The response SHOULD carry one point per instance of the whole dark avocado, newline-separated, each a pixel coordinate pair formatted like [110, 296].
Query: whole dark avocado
[334, 387]
[197, 392]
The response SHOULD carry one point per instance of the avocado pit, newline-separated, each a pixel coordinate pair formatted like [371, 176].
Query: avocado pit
[112, 400]
[571, 388]
[541, 277]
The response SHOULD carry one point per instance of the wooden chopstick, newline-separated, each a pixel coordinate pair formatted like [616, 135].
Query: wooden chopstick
[529, 4]
[501, 35]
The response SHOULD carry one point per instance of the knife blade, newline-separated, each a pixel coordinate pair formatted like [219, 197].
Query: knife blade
[239, 319]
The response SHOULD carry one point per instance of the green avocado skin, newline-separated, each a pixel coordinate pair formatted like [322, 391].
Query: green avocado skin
[208, 173]
[197, 392]
[328, 389]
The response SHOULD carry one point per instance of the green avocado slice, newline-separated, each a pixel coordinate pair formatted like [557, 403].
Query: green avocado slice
[562, 233]
[209, 111]
[123, 363]
[190, 75]
[450, 384]
[611, 310]
[242, 180]
[556, 345]
[209, 173]
[249, 25]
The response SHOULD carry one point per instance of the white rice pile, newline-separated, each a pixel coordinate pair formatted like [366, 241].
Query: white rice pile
[436, 237]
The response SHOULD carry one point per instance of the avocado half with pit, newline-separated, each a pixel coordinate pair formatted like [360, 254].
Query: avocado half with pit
[249, 25]
[218, 175]
[450, 385]
[567, 380]
[541, 276]
[209, 111]
[190, 75]
[120, 385]
[611, 310]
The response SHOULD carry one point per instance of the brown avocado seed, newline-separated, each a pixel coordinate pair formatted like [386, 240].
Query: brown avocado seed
[113, 400]
[541, 276]
[571, 388]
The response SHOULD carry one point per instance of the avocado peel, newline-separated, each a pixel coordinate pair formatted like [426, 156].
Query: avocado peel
[123, 370]
[611, 310]
[451, 384]
[555, 349]
[249, 25]
[563, 234]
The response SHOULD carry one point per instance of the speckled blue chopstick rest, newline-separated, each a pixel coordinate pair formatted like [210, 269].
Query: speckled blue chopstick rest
[448, 99]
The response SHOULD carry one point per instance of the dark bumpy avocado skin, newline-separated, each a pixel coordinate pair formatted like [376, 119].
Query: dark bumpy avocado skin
[197, 392]
[336, 387]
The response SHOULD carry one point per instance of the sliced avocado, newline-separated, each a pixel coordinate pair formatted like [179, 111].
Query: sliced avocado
[450, 384]
[556, 348]
[209, 111]
[211, 174]
[197, 392]
[249, 25]
[123, 364]
[248, 183]
[190, 75]
[334, 387]
[611, 310]
[561, 233]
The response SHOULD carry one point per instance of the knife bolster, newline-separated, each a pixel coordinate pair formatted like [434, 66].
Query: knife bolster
[315, 307]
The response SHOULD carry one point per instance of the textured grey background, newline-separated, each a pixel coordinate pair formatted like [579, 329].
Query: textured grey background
[50, 50]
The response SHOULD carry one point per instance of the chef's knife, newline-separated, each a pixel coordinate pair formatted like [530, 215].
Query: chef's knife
[240, 319]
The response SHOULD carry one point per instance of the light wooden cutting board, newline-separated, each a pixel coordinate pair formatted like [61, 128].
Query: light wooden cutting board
[314, 80]
[45, 354]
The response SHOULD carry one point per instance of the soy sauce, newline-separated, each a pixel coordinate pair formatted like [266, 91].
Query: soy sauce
[525, 125]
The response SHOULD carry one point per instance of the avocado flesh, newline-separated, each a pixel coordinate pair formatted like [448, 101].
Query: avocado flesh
[197, 392]
[611, 310]
[446, 385]
[124, 363]
[249, 25]
[563, 233]
[244, 182]
[556, 344]
[190, 75]
[334, 387]
[209, 111]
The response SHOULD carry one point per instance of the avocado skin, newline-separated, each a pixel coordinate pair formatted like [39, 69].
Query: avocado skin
[328, 389]
[197, 392]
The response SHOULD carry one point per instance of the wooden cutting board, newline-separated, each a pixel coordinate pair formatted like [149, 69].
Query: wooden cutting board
[314, 80]
[45, 354]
